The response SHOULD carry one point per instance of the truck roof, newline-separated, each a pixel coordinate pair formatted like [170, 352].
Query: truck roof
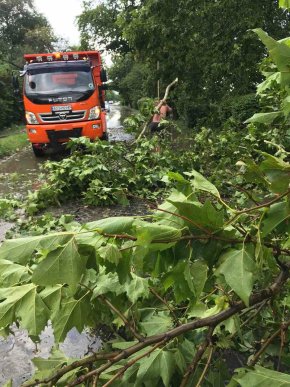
[49, 65]
[93, 56]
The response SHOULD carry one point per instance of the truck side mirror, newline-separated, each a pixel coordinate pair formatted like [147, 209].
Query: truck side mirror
[104, 87]
[15, 85]
[104, 77]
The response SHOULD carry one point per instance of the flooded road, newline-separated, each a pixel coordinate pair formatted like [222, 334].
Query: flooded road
[18, 174]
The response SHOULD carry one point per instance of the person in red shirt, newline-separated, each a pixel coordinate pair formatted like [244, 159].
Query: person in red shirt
[163, 110]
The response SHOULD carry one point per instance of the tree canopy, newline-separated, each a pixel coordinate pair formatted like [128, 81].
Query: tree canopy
[190, 41]
[22, 30]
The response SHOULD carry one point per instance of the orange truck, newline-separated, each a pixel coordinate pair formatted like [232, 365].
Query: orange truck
[64, 97]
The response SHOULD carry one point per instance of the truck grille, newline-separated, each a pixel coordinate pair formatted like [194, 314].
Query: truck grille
[63, 116]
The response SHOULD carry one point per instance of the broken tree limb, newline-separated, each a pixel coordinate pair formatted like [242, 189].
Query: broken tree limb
[157, 107]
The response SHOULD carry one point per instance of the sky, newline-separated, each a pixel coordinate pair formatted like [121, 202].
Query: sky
[61, 15]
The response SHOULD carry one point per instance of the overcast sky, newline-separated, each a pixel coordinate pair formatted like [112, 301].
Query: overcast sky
[61, 15]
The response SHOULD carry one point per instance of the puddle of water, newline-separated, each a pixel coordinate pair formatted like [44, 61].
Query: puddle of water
[18, 350]
[4, 227]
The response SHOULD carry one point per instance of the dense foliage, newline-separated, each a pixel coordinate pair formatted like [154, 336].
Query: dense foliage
[22, 30]
[215, 64]
[198, 279]
[205, 277]
[202, 279]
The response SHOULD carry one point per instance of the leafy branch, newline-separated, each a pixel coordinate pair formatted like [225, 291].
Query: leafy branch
[157, 340]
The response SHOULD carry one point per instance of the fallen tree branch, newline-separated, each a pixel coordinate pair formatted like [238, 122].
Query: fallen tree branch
[198, 356]
[211, 321]
[166, 304]
[76, 364]
[206, 367]
[260, 206]
[130, 363]
[284, 326]
[122, 317]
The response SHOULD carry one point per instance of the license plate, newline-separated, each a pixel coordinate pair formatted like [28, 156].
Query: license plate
[61, 108]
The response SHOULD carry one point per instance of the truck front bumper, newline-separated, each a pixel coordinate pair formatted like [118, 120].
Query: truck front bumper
[46, 134]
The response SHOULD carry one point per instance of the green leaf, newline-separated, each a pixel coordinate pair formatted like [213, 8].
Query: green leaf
[198, 271]
[25, 304]
[156, 323]
[90, 239]
[155, 232]
[279, 51]
[137, 288]
[199, 182]
[284, 4]
[12, 274]
[238, 268]
[180, 361]
[269, 81]
[9, 383]
[52, 296]
[55, 361]
[277, 172]
[73, 313]
[20, 250]
[264, 118]
[47, 367]
[107, 283]
[159, 364]
[262, 377]
[269, 42]
[277, 214]
[168, 219]
[114, 225]
[110, 253]
[181, 280]
[201, 216]
[123, 344]
[61, 266]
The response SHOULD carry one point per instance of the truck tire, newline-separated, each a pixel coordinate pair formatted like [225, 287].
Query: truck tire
[105, 136]
[38, 152]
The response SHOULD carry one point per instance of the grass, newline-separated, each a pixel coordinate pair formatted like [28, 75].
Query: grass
[12, 139]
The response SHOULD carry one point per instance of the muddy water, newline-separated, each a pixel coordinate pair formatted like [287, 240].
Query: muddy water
[18, 174]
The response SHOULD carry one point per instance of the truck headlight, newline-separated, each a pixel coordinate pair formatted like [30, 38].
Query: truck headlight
[31, 118]
[95, 113]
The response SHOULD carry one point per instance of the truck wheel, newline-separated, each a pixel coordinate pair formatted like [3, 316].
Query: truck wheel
[105, 136]
[38, 152]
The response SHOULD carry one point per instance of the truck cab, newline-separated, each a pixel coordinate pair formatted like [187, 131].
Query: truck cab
[64, 97]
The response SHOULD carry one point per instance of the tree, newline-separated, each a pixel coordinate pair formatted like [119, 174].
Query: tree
[190, 41]
[98, 25]
[131, 79]
[22, 30]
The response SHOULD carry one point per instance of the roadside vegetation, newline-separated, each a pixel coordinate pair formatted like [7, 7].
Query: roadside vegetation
[205, 274]
[12, 140]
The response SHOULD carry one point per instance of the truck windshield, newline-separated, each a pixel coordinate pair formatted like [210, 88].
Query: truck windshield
[55, 82]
